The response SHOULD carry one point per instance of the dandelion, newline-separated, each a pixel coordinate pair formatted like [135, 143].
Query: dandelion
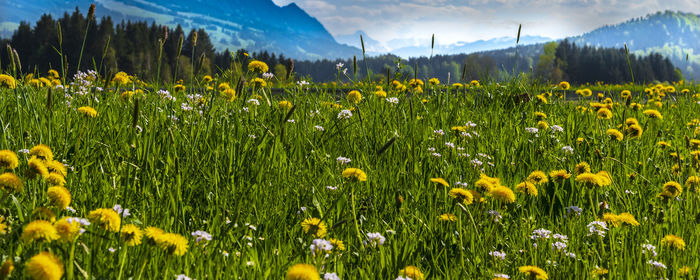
[604, 114]
[67, 229]
[8, 159]
[564, 85]
[39, 230]
[9, 182]
[527, 188]
[589, 179]
[284, 105]
[258, 66]
[172, 243]
[257, 83]
[337, 244]
[105, 218]
[88, 111]
[59, 196]
[41, 152]
[581, 168]
[614, 134]
[461, 195]
[537, 178]
[354, 96]
[672, 189]
[447, 218]
[131, 235]
[355, 174]
[44, 266]
[229, 94]
[533, 272]
[314, 227]
[302, 272]
[7, 81]
[653, 114]
[598, 271]
[503, 194]
[559, 175]
[673, 242]
[440, 181]
[412, 272]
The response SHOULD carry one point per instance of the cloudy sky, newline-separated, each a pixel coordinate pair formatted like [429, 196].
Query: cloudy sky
[469, 20]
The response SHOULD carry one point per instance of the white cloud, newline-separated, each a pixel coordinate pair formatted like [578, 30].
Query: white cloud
[460, 20]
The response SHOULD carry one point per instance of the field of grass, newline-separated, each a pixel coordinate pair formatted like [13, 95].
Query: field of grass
[412, 180]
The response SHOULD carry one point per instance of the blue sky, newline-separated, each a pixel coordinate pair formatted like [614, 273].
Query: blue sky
[469, 20]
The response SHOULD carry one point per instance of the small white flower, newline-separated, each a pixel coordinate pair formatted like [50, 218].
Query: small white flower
[123, 211]
[320, 246]
[70, 209]
[111, 250]
[290, 120]
[501, 275]
[439, 132]
[23, 151]
[532, 130]
[330, 276]
[343, 160]
[182, 277]
[345, 114]
[268, 76]
[374, 239]
[250, 263]
[392, 100]
[450, 145]
[568, 149]
[332, 188]
[253, 101]
[201, 235]
[597, 228]
[319, 128]
[556, 128]
[498, 255]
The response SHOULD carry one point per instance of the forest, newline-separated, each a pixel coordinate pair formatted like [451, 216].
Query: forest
[135, 48]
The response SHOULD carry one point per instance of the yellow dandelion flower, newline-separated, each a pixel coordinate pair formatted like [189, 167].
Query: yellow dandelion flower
[88, 111]
[314, 227]
[537, 178]
[462, 195]
[457, 85]
[355, 174]
[121, 79]
[589, 179]
[41, 152]
[39, 230]
[8, 160]
[105, 218]
[673, 241]
[604, 178]
[412, 272]
[131, 234]
[533, 272]
[599, 271]
[673, 188]
[653, 114]
[380, 93]
[223, 86]
[685, 270]
[172, 243]
[59, 196]
[604, 114]
[526, 188]
[434, 81]
[7, 81]
[354, 96]
[56, 167]
[440, 181]
[44, 266]
[614, 134]
[178, 88]
[582, 167]
[258, 66]
[284, 105]
[55, 179]
[503, 194]
[257, 83]
[540, 116]
[152, 234]
[559, 175]
[338, 244]
[487, 183]
[693, 183]
[447, 218]
[3, 226]
[10, 183]
[542, 125]
[302, 272]
[229, 94]
[474, 83]
[53, 74]
[67, 229]
[634, 131]
[207, 79]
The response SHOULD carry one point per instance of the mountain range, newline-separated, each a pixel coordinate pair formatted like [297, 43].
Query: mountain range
[251, 24]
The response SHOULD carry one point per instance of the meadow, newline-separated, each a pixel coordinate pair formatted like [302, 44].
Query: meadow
[217, 178]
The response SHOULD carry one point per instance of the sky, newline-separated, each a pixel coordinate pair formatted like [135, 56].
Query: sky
[469, 20]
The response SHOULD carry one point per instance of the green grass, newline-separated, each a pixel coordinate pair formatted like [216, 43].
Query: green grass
[243, 173]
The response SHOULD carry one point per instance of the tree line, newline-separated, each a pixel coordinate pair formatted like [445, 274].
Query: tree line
[138, 47]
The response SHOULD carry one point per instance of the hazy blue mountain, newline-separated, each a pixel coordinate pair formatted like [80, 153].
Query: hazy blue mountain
[422, 47]
[251, 24]
[372, 46]
[672, 34]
